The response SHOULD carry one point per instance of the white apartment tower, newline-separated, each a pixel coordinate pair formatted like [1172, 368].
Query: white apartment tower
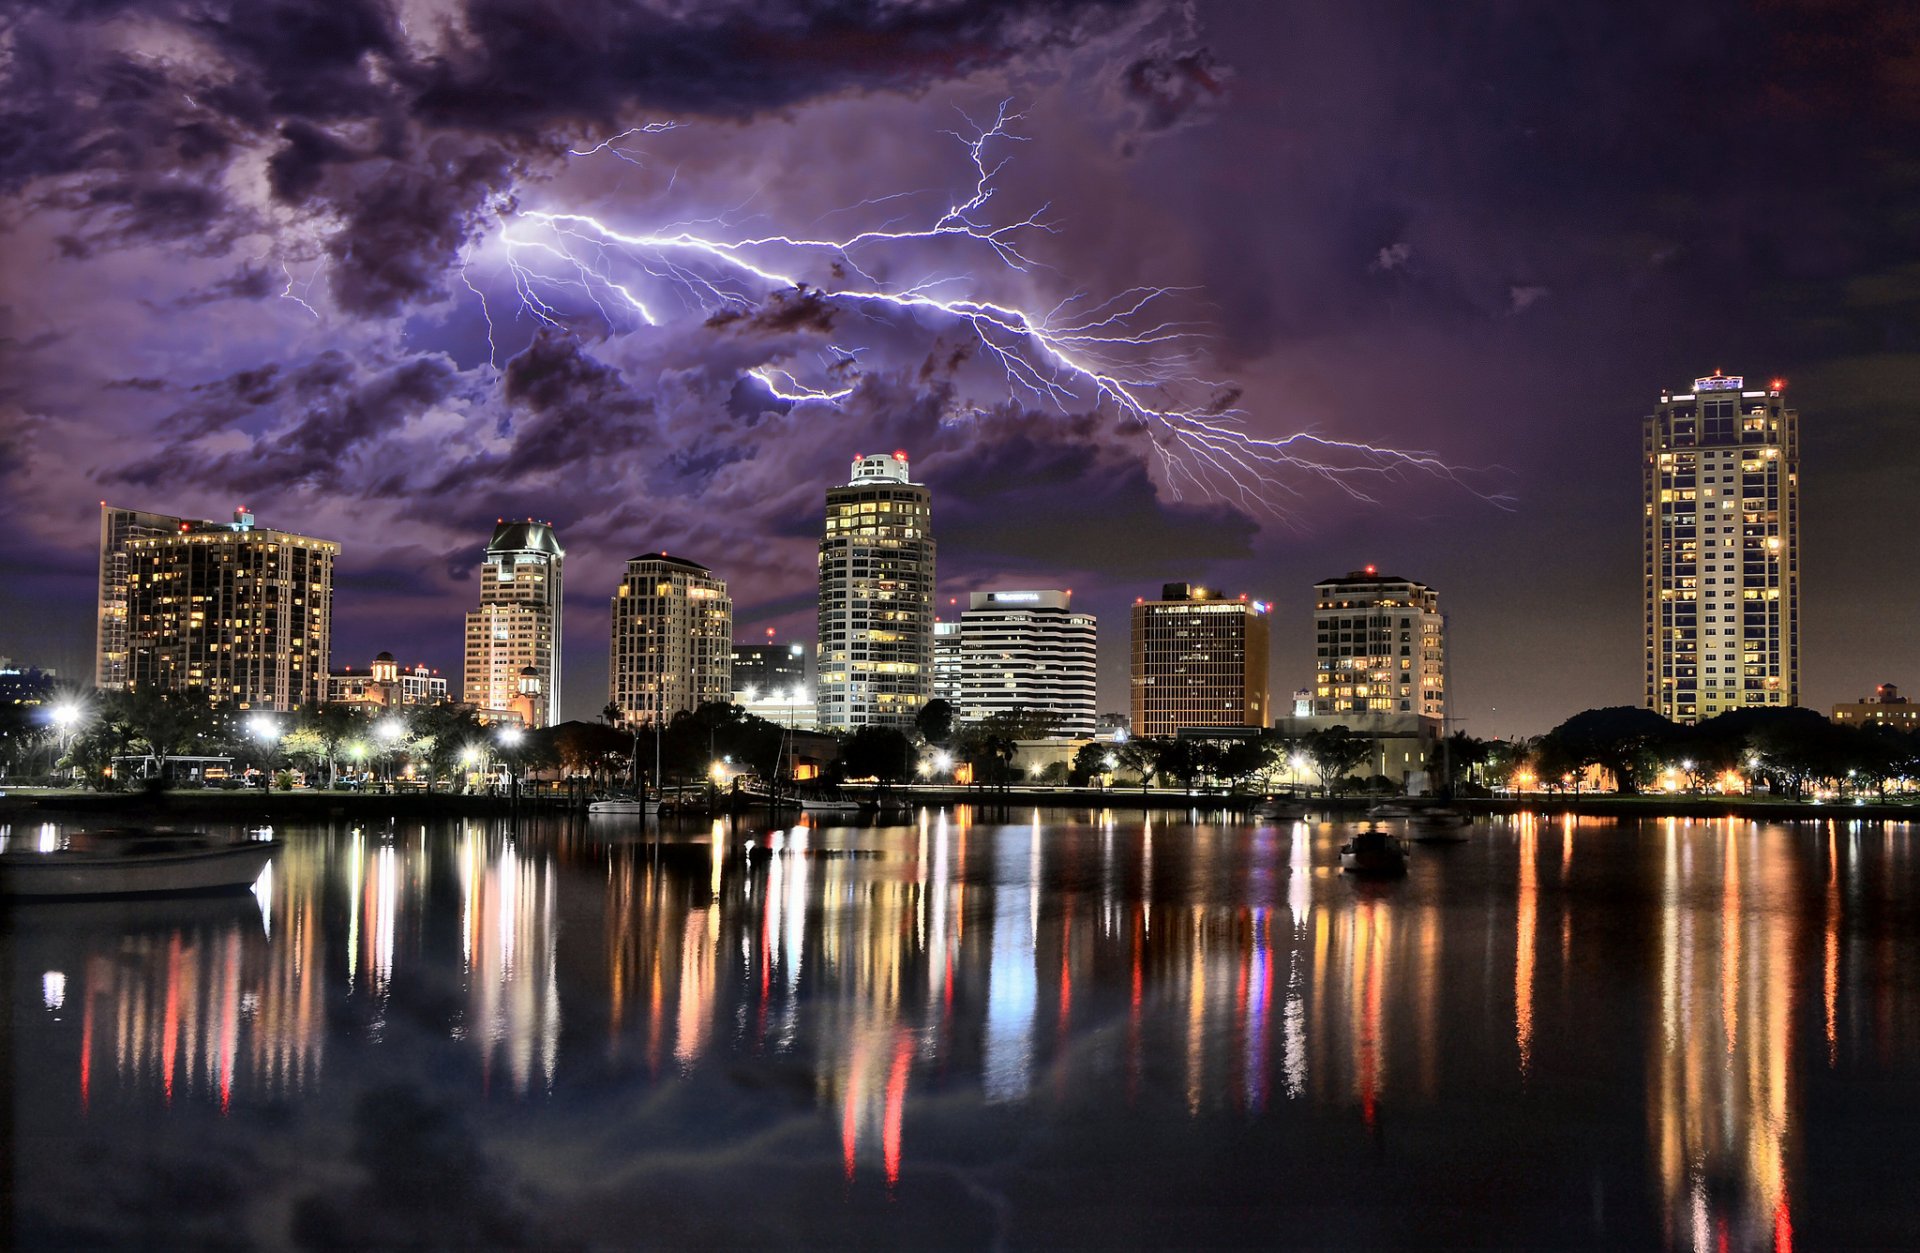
[1721, 549]
[876, 597]
[1380, 647]
[672, 640]
[516, 629]
[1028, 650]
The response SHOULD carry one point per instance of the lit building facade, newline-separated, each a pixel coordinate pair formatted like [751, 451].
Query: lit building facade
[1380, 646]
[226, 609]
[1721, 549]
[117, 527]
[1028, 650]
[946, 663]
[1199, 661]
[517, 627]
[1885, 708]
[386, 685]
[672, 648]
[876, 597]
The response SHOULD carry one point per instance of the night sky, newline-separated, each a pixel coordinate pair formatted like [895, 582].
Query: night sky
[264, 253]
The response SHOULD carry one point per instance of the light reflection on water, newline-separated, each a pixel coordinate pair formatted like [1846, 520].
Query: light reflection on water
[1098, 984]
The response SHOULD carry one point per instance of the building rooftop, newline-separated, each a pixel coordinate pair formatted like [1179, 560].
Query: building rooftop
[525, 535]
[1359, 578]
[664, 559]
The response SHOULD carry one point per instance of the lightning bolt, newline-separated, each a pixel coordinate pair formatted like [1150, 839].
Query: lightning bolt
[1123, 353]
[306, 288]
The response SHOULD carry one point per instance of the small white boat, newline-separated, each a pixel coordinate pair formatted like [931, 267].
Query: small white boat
[625, 805]
[1442, 824]
[1279, 809]
[135, 863]
[1374, 853]
[828, 805]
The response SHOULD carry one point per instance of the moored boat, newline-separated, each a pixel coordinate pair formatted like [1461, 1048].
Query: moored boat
[628, 805]
[1373, 853]
[135, 863]
[1440, 824]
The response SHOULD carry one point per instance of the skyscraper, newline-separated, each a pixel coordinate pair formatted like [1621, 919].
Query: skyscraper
[1198, 661]
[1379, 646]
[672, 640]
[1028, 650]
[117, 526]
[517, 626]
[1721, 549]
[763, 671]
[240, 614]
[876, 597]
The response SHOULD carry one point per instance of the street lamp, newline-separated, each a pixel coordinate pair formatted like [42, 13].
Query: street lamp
[262, 728]
[391, 731]
[510, 738]
[65, 716]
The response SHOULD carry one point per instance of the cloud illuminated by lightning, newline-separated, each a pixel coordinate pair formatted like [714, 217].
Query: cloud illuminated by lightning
[1123, 353]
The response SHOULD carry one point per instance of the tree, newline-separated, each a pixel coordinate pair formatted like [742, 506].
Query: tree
[1141, 755]
[1625, 741]
[1333, 752]
[1090, 760]
[611, 714]
[876, 752]
[441, 734]
[935, 721]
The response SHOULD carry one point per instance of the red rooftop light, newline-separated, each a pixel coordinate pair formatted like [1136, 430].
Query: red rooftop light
[1372, 570]
[899, 454]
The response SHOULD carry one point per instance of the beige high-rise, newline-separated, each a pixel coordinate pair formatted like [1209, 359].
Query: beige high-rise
[1199, 661]
[1721, 549]
[672, 647]
[876, 597]
[513, 638]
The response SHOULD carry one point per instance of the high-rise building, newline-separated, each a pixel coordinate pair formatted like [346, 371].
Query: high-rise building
[1199, 661]
[1030, 651]
[946, 663]
[516, 629]
[767, 670]
[876, 597]
[117, 526]
[240, 614]
[1380, 646]
[1721, 549]
[672, 640]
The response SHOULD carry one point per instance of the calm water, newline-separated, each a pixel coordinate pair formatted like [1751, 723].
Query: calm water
[1061, 1029]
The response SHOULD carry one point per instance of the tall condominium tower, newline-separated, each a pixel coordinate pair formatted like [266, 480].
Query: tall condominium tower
[240, 614]
[1028, 650]
[117, 526]
[946, 664]
[516, 629]
[1198, 661]
[876, 597]
[1379, 646]
[1721, 549]
[672, 640]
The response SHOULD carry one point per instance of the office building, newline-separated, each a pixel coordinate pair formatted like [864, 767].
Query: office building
[513, 638]
[672, 640]
[875, 657]
[1030, 651]
[770, 670]
[386, 685]
[1721, 549]
[1885, 708]
[241, 615]
[1199, 662]
[946, 663]
[1379, 646]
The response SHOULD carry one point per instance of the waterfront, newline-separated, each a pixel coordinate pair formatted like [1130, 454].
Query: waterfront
[1026, 1028]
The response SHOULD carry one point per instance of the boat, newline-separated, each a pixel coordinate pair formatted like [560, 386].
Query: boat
[135, 862]
[828, 805]
[1388, 810]
[1373, 853]
[627, 805]
[1439, 824]
[1280, 809]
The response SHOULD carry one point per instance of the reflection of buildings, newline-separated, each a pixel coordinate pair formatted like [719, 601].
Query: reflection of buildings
[1722, 1112]
[1721, 538]
[513, 638]
[508, 940]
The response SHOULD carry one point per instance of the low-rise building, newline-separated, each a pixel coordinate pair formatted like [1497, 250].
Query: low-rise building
[386, 685]
[1885, 708]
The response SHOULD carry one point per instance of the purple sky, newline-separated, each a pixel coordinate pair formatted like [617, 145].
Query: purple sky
[251, 252]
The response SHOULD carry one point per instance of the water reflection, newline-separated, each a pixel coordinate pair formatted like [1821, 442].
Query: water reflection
[1205, 974]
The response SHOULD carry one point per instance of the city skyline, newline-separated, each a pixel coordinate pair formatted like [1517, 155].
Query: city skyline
[370, 374]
